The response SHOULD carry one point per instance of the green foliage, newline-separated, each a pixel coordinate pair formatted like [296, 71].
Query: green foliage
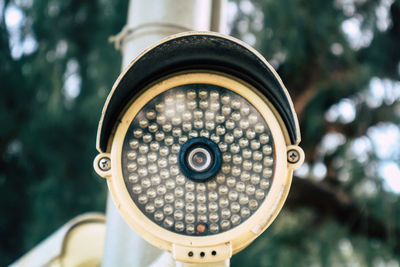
[353, 218]
[48, 138]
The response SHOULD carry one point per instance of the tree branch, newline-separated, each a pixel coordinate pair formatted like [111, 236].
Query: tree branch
[331, 201]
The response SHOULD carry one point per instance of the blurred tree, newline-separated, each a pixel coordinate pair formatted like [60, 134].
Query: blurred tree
[56, 68]
[339, 60]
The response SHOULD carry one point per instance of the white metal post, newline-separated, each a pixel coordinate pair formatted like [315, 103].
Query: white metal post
[148, 22]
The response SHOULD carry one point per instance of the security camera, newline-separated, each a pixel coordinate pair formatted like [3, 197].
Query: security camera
[198, 141]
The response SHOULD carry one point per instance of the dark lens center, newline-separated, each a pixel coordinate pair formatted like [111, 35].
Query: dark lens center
[199, 159]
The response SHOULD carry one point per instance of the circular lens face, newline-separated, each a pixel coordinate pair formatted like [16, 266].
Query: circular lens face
[152, 170]
[199, 159]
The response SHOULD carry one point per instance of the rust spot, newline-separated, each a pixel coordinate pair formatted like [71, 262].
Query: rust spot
[200, 228]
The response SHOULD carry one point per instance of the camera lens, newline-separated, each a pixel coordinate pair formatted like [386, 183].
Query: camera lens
[199, 159]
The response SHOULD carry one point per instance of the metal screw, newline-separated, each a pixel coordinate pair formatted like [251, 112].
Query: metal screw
[293, 156]
[105, 164]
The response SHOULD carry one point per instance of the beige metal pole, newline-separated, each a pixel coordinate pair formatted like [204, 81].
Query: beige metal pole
[148, 22]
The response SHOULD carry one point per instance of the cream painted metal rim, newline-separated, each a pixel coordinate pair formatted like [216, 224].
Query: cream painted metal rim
[239, 236]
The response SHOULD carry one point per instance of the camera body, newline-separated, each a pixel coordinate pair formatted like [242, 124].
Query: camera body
[198, 141]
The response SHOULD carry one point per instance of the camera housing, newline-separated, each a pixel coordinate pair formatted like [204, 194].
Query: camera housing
[198, 140]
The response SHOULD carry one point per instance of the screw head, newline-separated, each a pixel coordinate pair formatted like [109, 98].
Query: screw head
[293, 156]
[105, 164]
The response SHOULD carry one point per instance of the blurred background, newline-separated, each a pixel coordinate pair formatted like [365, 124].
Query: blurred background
[339, 59]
